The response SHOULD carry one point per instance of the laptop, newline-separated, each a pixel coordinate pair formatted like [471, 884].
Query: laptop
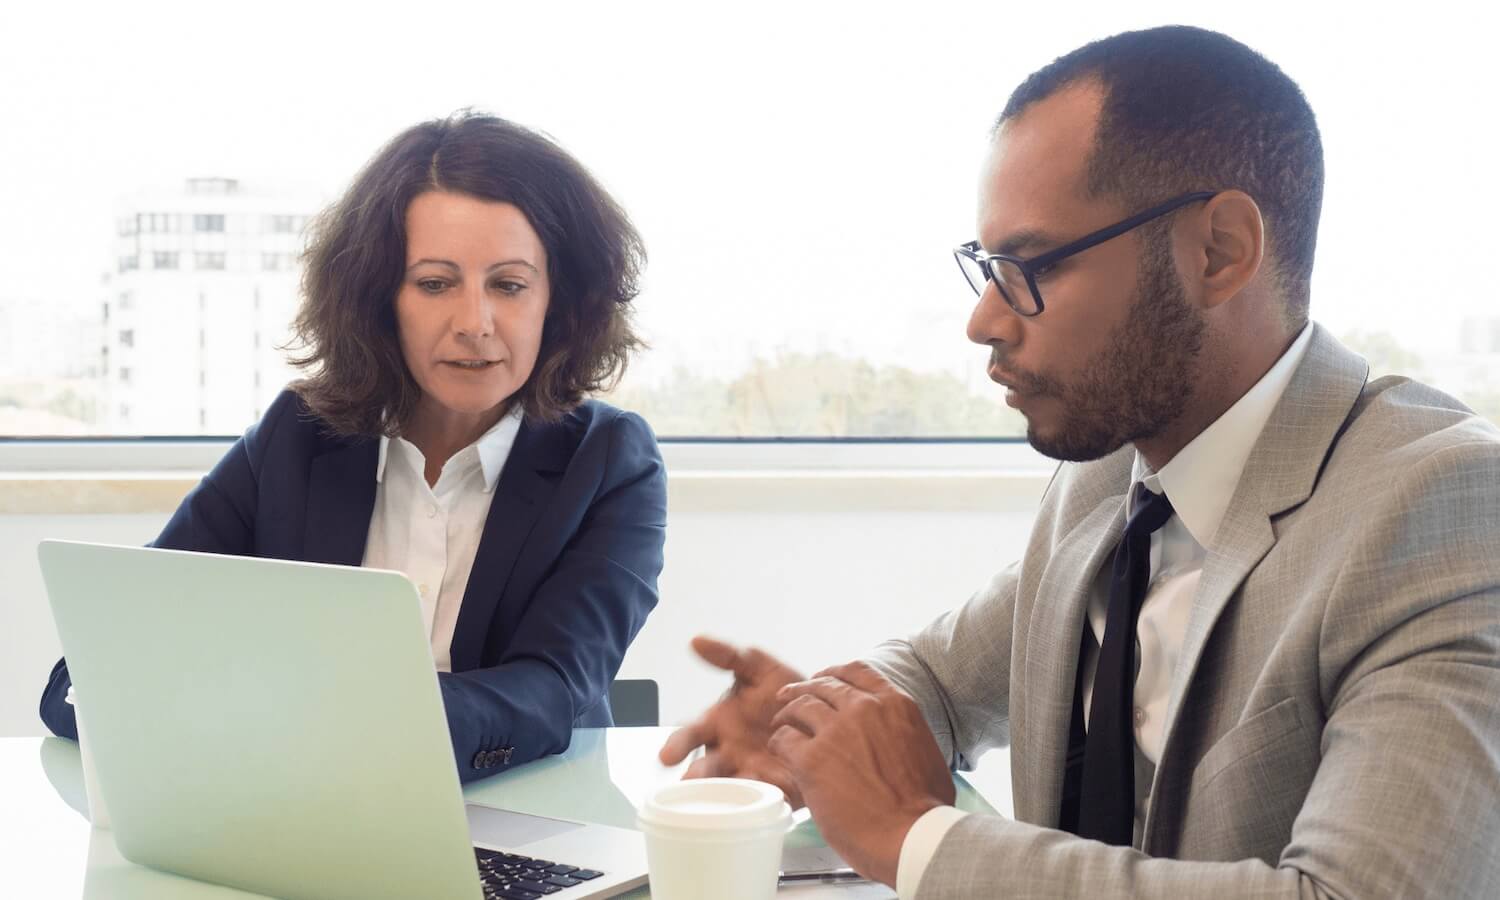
[277, 727]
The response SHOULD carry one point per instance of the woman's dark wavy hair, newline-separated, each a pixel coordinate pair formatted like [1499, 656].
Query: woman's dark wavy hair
[345, 331]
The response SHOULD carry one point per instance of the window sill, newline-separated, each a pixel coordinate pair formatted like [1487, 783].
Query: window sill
[102, 478]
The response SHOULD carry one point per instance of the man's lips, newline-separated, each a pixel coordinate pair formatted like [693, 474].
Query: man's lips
[1005, 379]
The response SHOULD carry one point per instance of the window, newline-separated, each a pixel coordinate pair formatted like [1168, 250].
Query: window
[155, 223]
[799, 215]
[212, 261]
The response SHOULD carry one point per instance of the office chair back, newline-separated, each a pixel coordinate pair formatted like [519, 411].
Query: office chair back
[635, 701]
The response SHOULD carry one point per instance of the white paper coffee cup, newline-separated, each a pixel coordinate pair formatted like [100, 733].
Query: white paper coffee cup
[98, 815]
[714, 837]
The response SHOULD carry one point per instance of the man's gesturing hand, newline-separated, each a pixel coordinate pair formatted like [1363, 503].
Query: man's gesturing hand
[865, 761]
[735, 731]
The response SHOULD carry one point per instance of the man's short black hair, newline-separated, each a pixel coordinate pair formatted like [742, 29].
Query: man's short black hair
[1189, 109]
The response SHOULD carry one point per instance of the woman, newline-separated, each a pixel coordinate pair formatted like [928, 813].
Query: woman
[459, 301]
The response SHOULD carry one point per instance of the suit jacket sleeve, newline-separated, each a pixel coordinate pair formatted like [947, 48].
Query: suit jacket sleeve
[1405, 799]
[957, 671]
[578, 625]
[217, 516]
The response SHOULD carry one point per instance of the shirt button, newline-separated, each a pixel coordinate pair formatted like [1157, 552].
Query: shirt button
[431, 511]
[1140, 717]
[422, 589]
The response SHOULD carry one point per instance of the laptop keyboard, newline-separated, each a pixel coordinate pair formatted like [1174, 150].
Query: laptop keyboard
[514, 877]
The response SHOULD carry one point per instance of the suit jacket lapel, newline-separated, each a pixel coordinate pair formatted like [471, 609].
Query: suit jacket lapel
[1052, 643]
[1279, 475]
[340, 500]
[521, 494]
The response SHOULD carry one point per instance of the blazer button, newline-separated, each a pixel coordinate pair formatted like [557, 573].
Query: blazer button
[491, 758]
[508, 751]
[479, 760]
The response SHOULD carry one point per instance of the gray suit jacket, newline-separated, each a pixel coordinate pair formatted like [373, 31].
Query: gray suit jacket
[1334, 724]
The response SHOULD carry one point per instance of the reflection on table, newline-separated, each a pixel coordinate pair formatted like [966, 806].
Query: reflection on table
[43, 821]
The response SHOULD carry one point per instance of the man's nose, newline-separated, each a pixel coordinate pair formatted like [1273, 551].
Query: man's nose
[993, 320]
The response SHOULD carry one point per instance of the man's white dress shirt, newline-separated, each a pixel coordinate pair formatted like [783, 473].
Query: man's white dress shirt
[431, 533]
[1200, 481]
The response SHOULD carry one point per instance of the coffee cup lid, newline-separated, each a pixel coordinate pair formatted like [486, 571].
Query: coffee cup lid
[716, 803]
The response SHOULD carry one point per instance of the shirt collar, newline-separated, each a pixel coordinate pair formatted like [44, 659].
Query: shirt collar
[1201, 479]
[493, 448]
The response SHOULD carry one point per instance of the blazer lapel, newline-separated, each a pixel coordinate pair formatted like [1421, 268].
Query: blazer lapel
[1280, 475]
[340, 500]
[1052, 645]
[521, 493]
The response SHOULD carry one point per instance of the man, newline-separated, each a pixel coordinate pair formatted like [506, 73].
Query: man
[1253, 644]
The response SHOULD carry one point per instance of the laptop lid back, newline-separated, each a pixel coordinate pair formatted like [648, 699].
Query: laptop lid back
[274, 726]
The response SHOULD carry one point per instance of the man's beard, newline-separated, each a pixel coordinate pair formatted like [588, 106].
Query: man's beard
[1141, 381]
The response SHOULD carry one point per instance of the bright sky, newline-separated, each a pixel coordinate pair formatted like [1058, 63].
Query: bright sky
[800, 170]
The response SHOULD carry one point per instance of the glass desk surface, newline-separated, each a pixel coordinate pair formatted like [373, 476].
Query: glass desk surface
[48, 849]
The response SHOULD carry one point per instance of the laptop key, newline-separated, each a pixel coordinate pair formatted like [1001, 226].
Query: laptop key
[561, 869]
[519, 894]
[538, 863]
[585, 874]
[563, 881]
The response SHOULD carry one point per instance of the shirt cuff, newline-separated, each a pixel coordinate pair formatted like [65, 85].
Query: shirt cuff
[920, 845]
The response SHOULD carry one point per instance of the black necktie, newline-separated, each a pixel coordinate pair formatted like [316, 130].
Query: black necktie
[1106, 810]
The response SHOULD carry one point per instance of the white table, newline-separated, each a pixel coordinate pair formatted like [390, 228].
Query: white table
[48, 849]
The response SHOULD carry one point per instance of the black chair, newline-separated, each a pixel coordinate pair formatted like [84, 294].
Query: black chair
[635, 701]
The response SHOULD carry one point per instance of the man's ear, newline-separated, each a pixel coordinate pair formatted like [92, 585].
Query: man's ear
[1226, 244]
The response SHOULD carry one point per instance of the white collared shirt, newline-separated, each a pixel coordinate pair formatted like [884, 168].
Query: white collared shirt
[1200, 481]
[431, 533]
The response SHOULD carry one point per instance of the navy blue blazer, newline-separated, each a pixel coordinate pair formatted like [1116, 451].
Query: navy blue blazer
[563, 579]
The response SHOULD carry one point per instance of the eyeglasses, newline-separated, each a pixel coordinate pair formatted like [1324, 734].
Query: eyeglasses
[1015, 278]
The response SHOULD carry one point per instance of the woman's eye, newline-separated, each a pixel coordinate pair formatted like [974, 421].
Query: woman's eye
[509, 287]
[431, 285]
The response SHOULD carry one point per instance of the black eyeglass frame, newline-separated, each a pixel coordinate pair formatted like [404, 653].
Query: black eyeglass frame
[1031, 268]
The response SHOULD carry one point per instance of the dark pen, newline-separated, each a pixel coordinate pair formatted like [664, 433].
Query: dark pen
[821, 876]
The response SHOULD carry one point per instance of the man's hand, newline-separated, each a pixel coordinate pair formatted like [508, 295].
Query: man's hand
[736, 730]
[865, 760]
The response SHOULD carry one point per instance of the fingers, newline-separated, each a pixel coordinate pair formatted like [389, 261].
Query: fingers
[807, 713]
[789, 745]
[859, 674]
[749, 664]
[709, 765]
[835, 692]
[684, 741]
[716, 652]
